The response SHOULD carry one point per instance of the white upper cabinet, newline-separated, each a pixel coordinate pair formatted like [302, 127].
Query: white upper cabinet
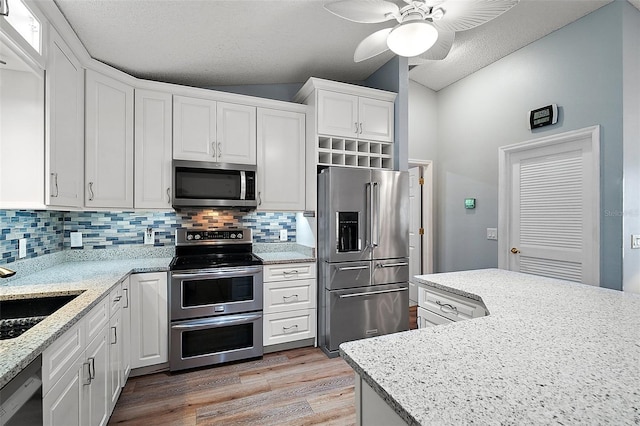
[236, 133]
[206, 130]
[194, 129]
[337, 114]
[352, 116]
[64, 126]
[281, 160]
[376, 119]
[108, 142]
[152, 149]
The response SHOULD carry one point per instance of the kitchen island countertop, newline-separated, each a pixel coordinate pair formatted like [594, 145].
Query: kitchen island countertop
[550, 351]
[92, 279]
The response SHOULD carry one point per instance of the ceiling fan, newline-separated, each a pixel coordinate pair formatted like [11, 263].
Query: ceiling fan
[426, 28]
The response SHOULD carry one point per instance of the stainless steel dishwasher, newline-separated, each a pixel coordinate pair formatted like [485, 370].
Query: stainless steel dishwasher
[21, 398]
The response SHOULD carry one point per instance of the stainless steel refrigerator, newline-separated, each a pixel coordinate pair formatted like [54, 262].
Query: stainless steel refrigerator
[363, 251]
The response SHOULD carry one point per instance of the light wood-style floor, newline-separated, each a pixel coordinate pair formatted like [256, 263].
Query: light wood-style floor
[295, 387]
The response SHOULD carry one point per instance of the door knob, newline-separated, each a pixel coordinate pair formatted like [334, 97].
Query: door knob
[515, 250]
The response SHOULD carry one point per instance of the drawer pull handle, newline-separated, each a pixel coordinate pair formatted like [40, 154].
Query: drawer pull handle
[287, 273]
[117, 299]
[285, 298]
[370, 293]
[291, 327]
[92, 369]
[352, 268]
[392, 265]
[454, 309]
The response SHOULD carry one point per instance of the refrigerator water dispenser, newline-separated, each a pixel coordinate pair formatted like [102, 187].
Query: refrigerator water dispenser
[348, 232]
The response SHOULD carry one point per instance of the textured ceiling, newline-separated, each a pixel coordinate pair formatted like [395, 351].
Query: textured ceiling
[209, 43]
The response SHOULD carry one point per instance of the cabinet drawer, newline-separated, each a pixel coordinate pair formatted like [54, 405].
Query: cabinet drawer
[289, 326]
[429, 319]
[115, 297]
[289, 271]
[449, 305]
[281, 296]
[96, 319]
[57, 358]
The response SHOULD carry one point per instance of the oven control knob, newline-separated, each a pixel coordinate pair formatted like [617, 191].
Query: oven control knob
[189, 237]
[197, 237]
[239, 235]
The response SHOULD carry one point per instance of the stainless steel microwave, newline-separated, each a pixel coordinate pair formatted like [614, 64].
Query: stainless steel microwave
[209, 184]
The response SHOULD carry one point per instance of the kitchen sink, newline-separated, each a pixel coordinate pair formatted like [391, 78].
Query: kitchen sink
[19, 315]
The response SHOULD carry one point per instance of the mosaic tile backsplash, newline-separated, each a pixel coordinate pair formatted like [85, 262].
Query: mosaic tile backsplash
[49, 231]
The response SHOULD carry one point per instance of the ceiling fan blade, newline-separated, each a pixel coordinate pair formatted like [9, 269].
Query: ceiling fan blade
[461, 15]
[364, 11]
[372, 45]
[438, 51]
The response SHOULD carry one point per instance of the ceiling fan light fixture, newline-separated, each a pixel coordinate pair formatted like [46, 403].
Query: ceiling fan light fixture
[412, 38]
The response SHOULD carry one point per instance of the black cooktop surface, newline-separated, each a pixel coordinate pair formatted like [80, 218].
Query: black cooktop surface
[213, 260]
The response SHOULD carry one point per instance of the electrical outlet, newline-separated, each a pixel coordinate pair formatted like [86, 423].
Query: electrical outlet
[635, 241]
[22, 248]
[149, 236]
[76, 239]
[283, 235]
[492, 233]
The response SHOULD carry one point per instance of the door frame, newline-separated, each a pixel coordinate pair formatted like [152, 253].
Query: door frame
[505, 181]
[426, 168]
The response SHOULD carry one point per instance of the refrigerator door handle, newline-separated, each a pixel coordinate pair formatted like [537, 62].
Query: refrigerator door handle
[369, 237]
[375, 211]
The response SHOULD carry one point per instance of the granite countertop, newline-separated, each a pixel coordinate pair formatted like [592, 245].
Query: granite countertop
[90, 279]
[271, 253]
[549, 351]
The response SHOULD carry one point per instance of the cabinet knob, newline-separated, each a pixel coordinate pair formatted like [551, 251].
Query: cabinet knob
[515, 250]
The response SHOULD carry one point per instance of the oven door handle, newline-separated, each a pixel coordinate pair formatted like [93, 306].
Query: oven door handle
[227, 272]
[221, 321]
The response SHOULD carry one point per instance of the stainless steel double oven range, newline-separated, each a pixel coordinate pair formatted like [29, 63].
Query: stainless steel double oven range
[215, 298]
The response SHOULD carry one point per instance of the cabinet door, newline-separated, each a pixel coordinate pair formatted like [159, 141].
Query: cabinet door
[194, 129]
[376, 119]
[149, 319]
[108, 142]
[281, 160]
[126, 330]
[64, 125]
[337, 114]
[114, 373]
[236, 133]
[64, 403]
[97, 392]
[153, 149]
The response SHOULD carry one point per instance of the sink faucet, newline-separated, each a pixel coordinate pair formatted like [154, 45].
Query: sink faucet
[6, 272]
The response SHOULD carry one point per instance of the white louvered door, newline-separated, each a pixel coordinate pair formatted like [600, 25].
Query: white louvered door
[552, 208]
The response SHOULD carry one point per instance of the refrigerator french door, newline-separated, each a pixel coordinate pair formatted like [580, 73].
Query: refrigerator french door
[363, 249]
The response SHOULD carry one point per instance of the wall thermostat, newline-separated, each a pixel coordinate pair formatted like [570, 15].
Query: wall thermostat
[544, 116]
[469, 203]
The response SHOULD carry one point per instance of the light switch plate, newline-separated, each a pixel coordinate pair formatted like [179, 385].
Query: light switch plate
[283, 235]
[22, 248]
[492, 233]
[635, 241]
[76, 239]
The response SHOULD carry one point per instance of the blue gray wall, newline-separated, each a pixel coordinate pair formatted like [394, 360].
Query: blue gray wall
[579, 67]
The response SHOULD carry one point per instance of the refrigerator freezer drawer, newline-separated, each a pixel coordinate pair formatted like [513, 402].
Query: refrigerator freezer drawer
[390, 271]
[365, 312]
[346, 275]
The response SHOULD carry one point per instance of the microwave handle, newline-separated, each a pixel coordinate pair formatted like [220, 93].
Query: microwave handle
[243, 185]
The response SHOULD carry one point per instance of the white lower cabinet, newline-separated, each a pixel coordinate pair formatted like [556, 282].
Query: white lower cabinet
[149, 319]
[437, 307]
[115, 358]
[74, 374]
[289, 303]
[97, 358]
